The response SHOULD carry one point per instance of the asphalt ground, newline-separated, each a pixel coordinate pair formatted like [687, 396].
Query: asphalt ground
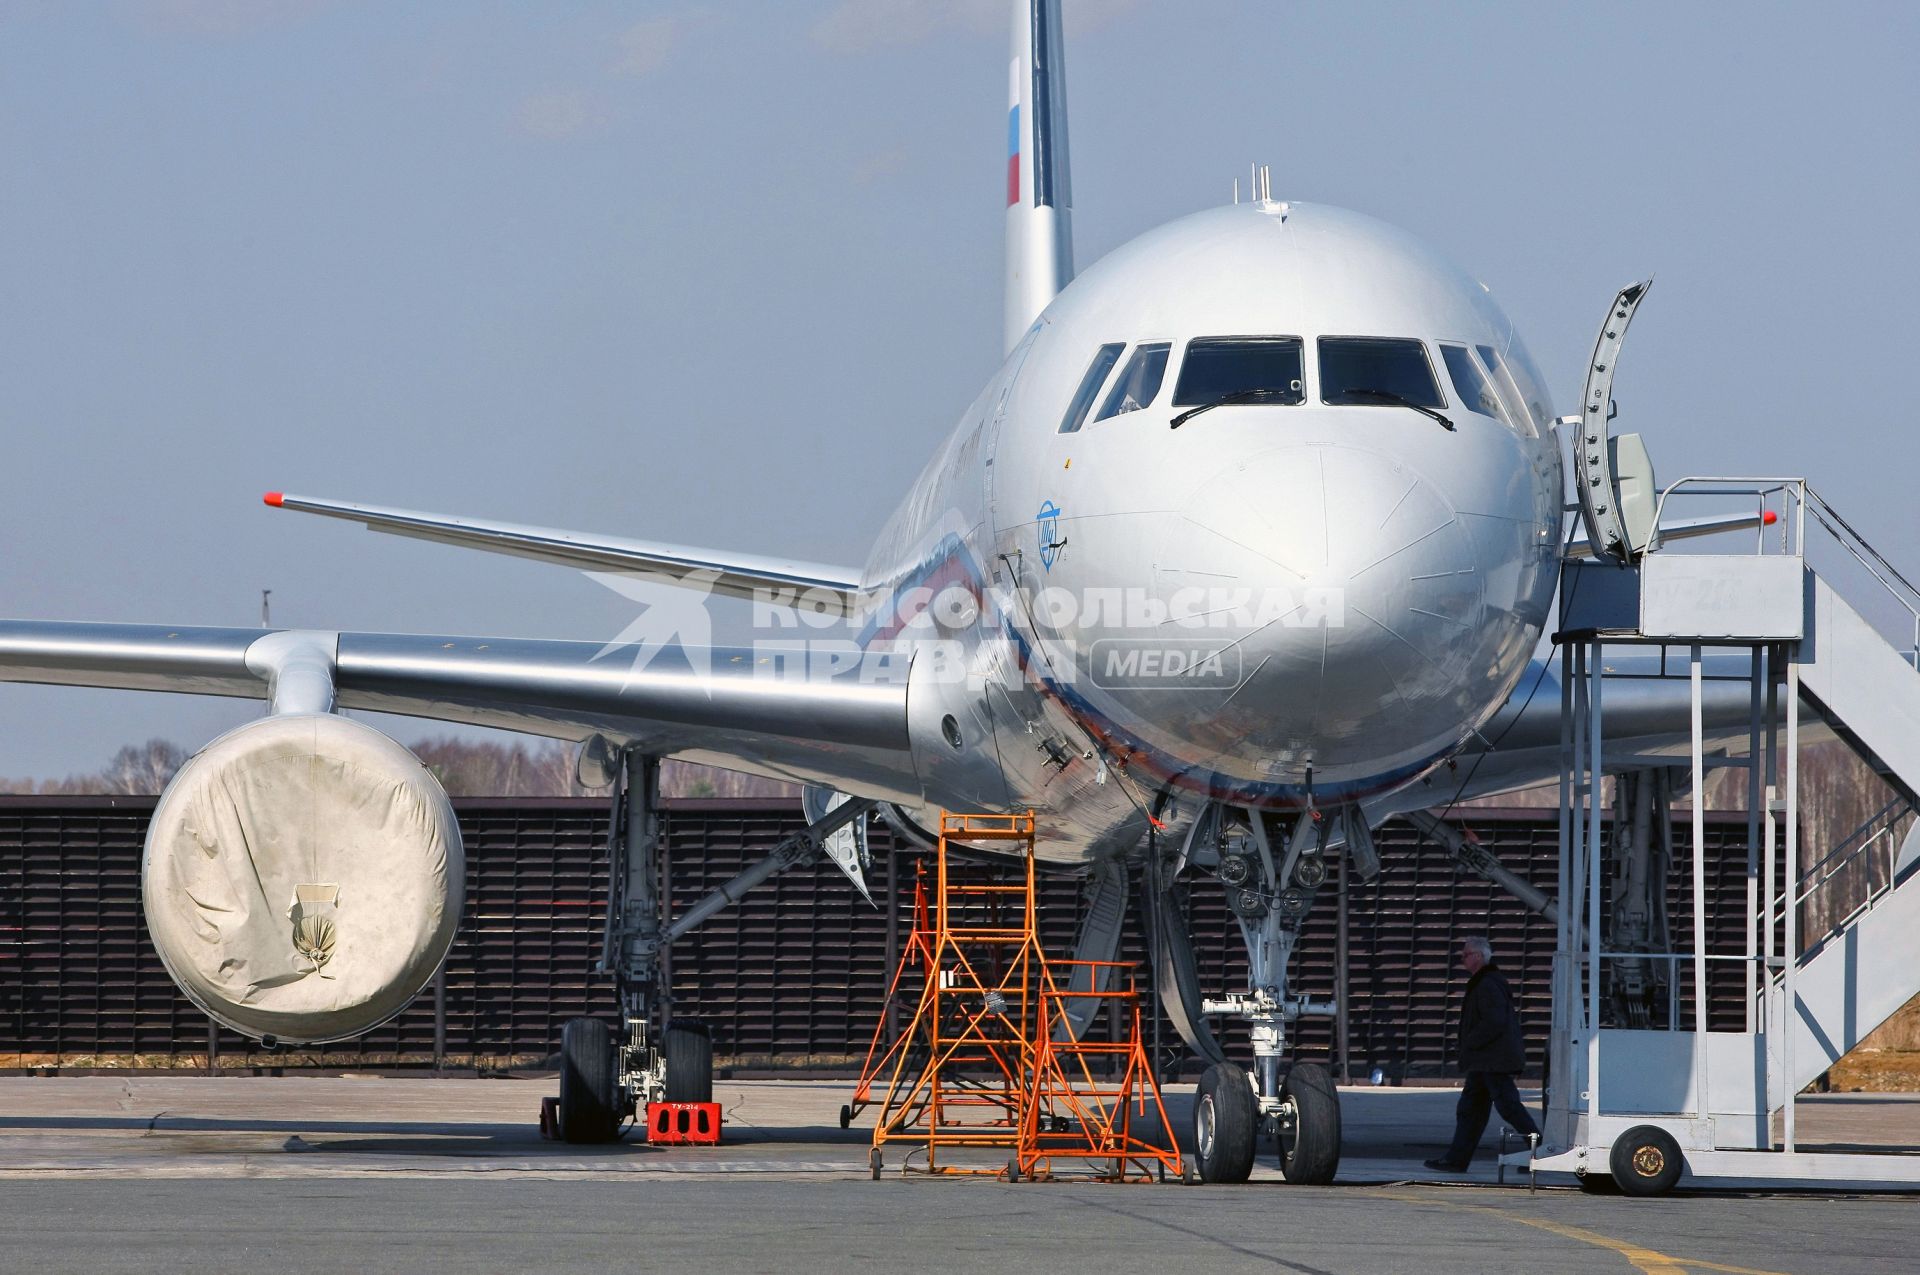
[360, 1174]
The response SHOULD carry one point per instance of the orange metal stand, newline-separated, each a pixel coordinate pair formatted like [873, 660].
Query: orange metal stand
[960, 1076]
[990, 1061]
[916, 955]
[1075, 1114]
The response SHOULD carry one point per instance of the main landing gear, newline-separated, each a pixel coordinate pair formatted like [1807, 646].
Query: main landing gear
[1270, 873]
[608, 1076]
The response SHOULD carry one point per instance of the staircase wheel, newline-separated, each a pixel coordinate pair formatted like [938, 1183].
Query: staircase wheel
[1310, 1143]
[689, 1050]
[587, 1111]
[1226, 1121]
[1646, 1161]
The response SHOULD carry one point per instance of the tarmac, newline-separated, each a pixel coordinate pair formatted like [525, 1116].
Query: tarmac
[162, 1173]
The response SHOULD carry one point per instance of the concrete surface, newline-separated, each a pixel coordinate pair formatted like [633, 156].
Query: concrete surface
[157, 1173]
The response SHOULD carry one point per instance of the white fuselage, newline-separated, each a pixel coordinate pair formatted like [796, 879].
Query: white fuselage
[1276, 604]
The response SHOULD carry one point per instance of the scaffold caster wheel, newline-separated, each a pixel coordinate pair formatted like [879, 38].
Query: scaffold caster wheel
[874, 1163]
[1646, 1161]
[1310, 1141]
[1226, 1123]
[846, 1116]
[1189, 1174]
[1013, 1169]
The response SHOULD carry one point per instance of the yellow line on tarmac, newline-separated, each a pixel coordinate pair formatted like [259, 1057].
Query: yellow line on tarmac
[1645, 1260]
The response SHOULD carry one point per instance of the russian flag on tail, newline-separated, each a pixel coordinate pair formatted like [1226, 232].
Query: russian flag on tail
[1013, 155]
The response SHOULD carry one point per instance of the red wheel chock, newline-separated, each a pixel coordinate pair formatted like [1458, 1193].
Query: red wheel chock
[683, 1123]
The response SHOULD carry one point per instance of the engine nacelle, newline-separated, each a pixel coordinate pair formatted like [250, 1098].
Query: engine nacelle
[303, 878]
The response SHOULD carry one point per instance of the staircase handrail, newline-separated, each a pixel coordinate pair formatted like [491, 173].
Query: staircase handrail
[1902, 590]
[1880, 825]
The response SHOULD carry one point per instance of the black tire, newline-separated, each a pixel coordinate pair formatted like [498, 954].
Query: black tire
[1226, 1122]
[846, 1116]
[1646, 1161]
[586, 1083]
[874, 1163]
[689, 1049]
[1310, 1149]
[1597, 1183]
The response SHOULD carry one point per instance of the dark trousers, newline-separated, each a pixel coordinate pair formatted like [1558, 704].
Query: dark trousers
[1485, 1090]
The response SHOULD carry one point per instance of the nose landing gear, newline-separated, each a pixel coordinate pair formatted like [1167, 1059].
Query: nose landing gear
[1270, 878]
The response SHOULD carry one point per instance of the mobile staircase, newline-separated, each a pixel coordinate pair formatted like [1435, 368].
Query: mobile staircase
[1828, 944]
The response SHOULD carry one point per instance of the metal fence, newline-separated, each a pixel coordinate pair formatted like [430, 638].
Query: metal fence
[794, 977]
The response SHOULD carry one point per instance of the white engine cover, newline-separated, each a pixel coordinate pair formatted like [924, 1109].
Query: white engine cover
[303, 878]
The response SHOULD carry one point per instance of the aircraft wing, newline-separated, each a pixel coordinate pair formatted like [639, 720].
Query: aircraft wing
[1646, 714]
[820, 721]
[831, 590]
[1690, 528]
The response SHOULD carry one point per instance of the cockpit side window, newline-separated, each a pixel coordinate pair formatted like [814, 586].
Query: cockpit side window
[1263, 369]
[1371, 370]
[1103, 361]
[1523, 412]
[1139, 382]
[1476, 395]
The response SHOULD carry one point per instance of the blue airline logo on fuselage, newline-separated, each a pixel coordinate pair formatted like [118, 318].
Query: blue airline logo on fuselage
[1050, 541]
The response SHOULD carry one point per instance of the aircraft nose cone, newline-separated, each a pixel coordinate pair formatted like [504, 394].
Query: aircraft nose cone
[1367, 608]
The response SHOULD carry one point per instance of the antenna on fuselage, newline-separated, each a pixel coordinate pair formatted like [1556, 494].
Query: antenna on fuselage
[1259, 184]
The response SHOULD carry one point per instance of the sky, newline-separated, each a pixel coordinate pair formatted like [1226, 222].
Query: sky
[726, 274]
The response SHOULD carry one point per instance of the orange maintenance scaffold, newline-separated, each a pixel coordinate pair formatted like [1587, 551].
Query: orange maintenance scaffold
[978, 1068]
[1078, 1109]
[915, 956]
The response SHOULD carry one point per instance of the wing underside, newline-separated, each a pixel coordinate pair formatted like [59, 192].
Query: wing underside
[809, 722]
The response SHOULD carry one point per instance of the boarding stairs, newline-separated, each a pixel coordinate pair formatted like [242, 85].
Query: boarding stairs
[1832, 932]
[1865, 965]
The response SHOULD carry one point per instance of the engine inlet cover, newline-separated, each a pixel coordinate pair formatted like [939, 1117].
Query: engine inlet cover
[303, 878]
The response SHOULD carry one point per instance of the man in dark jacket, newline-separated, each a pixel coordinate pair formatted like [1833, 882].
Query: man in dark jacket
[1491, 1055]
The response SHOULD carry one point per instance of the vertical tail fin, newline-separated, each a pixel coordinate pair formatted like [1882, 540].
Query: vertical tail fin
[1039, 196]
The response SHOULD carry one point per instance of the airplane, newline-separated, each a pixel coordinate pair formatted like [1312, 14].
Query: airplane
[1249, 545]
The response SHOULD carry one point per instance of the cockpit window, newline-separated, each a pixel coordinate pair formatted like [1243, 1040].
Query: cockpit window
[1090, 384]
[1266, 368]
[1139, 382]
[1476, 395]
[1368, 369]
[1524, 410]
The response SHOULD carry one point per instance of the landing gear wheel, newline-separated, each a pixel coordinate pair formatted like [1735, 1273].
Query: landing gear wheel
[586, 1082]
[1226, 1121]
[846, 1116]
[1646, 1161]
[689, 1050]
[1310, 1142]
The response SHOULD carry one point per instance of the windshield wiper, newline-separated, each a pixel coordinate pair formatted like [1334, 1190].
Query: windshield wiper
[1256, 395]
[1388, 396]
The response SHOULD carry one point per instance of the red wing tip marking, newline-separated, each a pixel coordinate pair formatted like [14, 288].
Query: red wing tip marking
[274, 498]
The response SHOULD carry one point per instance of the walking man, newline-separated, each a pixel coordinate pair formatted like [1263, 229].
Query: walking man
[1491, 1055]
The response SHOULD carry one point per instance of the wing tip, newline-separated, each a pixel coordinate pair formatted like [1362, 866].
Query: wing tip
[274, 498]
